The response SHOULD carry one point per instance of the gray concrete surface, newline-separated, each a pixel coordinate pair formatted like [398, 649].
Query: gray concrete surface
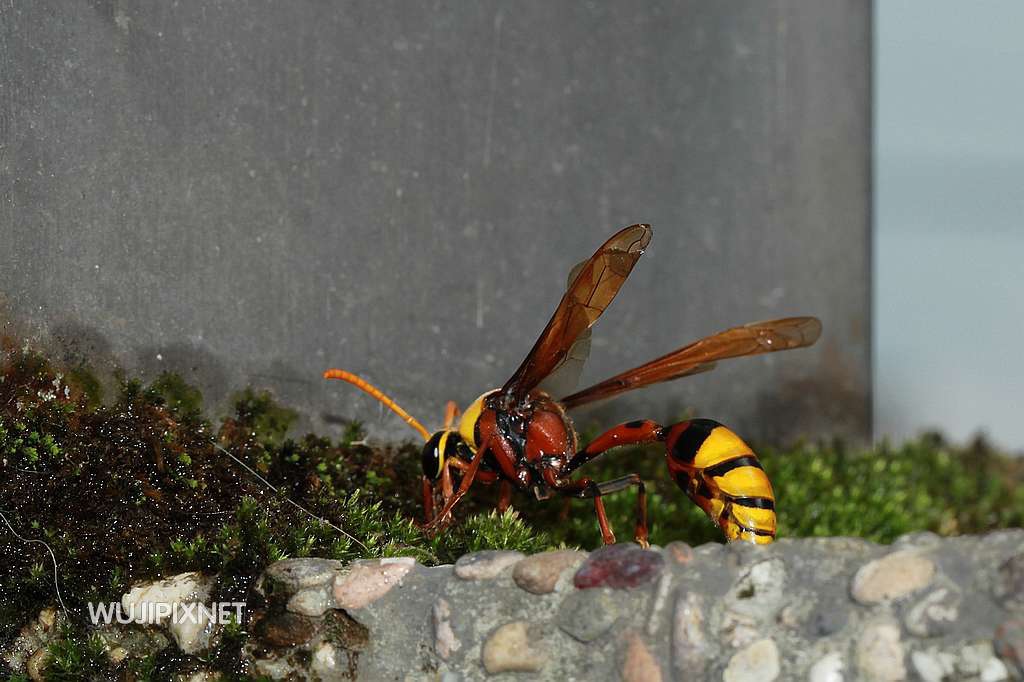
[252, 192]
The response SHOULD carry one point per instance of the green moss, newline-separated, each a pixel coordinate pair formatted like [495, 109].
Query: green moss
[226, 655]
[181, 398]
[81, 379]
[883, 493]
[76, 657]
[267, 421]
[494, 530]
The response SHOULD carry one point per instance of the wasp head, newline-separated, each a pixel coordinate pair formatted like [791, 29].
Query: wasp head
[439, 448]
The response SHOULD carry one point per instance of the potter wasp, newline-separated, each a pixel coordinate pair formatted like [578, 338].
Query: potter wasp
[520, 436]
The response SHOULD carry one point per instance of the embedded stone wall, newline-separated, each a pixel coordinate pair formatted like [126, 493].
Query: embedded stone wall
[824, 610]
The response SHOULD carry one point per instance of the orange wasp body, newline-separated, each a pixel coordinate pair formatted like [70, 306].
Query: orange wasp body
[520, 436]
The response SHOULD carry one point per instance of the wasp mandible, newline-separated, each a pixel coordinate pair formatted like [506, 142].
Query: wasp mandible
[521, 436]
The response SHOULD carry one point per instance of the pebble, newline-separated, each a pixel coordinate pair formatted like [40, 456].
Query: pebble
[828, 668]
[828, 618]
[445, 641]
[36, 665]
[274, 668]
[487, 564]
[892, 577]
[192, 633]
[880, 653]
[368, 581]
[739, 629]
[202, 676]
[759, 590]
[325, 661]
[935, 614]
[1009, 644]
[933, 666]
[689, 643]
[286, 630]
[509, 649]
[758, 662]
[183, 593]
[794, 613]
[47, 617]
[539, 573]
[1009, 583]
[974, 661]
[619, 566]
[184, 588]
[298, 574]
[994, 671]
[978, 659]
[311, 601]
[585, 615]
[680, 552]
[640, 665]
[654, 619]
[923, 539]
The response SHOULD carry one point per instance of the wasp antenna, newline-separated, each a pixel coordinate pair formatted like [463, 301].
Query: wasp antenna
[364, 385]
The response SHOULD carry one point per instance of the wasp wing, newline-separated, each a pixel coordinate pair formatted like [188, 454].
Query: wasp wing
[750, 339]
[565, 377]
[587, 297]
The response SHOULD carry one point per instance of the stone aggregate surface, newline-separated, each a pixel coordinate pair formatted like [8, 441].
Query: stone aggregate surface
[819, 609]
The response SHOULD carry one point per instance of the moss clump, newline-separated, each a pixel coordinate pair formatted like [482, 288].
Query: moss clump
[266, 421]
[76, 658]
[184, 400]
[136, 489]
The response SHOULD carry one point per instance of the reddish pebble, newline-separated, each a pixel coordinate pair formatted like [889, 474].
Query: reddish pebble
[619, 566]
[1009, 644]
[680, 551]
[640, 665]
[367, 581]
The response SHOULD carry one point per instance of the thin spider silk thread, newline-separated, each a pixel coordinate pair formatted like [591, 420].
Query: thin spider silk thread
[289, 500]
[53, 558]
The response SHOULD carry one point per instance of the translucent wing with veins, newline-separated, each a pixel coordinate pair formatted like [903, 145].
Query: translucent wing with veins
[591, 292]
[566, 376]
[750, 339]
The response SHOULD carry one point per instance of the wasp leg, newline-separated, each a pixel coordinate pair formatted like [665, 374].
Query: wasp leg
[428, 499]
[445, 517]
[446, 483]
[451, 411]
[504, 496]
[428, 492]
[607, 536]
[631, 433]
[585, 487]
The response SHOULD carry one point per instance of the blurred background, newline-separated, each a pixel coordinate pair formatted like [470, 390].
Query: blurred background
[247, 194]
[949, 219]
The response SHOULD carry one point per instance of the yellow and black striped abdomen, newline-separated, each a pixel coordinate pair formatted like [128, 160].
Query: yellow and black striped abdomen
[723, 476]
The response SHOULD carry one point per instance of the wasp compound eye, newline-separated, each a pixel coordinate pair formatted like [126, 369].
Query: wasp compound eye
[458, 448]
[432, 457]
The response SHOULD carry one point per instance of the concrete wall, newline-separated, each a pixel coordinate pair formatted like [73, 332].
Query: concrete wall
[252, 192]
